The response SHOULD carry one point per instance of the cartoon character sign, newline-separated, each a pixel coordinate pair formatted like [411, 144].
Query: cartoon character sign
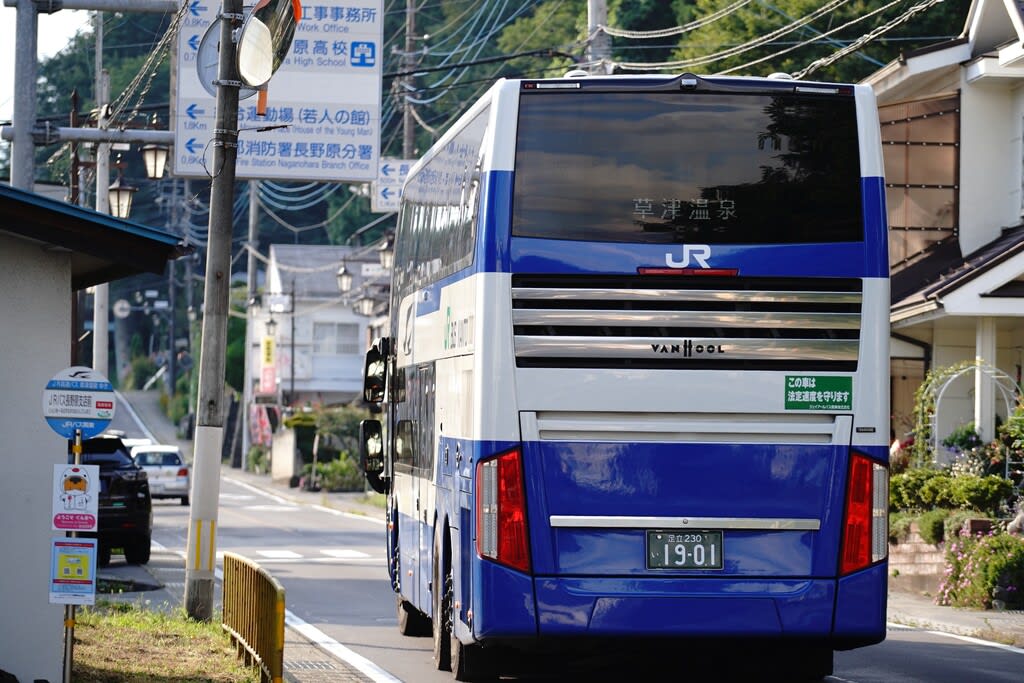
[76, 491]
[74, 488]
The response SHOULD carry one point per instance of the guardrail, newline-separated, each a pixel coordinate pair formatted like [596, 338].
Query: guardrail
[254, 615]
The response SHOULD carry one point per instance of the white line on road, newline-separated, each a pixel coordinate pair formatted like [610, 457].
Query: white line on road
[339, 513]
[333, 647]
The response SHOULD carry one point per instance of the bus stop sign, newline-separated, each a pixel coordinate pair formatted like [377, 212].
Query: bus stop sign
[78, 398]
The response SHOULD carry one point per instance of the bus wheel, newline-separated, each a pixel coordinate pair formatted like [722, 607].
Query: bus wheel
[411, 621]
[471, 662]
[441, 597]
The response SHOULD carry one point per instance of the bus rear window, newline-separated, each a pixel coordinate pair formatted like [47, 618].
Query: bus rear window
[687, 167]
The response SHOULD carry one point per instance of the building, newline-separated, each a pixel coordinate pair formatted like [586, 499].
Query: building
[952, 119]
[48, 251]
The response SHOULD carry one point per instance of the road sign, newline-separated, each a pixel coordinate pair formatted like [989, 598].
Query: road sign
[73, 571]
[326, 96]
[122, 309]
[76, 495]
[386, 190]
[78, 398]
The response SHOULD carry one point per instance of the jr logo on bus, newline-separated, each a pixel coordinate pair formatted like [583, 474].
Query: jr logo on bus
[700, 253]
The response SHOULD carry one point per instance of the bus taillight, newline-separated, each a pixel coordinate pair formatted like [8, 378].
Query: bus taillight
[865, 519]
[501, 532]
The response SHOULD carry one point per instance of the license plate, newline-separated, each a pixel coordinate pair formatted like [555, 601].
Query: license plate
[684, 550]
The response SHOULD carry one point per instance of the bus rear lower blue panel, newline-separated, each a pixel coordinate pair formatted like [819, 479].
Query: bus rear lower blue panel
[861, 604]
[697, 608]
[503, 604]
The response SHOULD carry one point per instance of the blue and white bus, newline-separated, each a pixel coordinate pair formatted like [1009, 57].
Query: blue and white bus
[636, 381]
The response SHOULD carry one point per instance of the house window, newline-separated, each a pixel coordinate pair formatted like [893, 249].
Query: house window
[338, 339]
[921, 151]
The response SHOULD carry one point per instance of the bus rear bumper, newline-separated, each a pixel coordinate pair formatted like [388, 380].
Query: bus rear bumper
[698, 607]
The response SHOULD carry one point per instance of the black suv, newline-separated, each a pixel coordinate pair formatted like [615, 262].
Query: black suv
[125, 506]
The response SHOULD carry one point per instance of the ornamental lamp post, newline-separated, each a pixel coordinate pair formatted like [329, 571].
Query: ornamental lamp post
[344, 280]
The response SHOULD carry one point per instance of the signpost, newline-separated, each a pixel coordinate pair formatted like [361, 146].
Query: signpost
[322, 121]
[387, 188]
[78, 403]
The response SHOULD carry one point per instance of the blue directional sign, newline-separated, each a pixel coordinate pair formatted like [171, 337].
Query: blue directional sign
[323, 114]
[78, 398]
[386, 190]
[193, 42]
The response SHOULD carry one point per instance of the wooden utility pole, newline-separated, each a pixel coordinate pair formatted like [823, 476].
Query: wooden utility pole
[200, 561]
[408, 132]
[599, 49]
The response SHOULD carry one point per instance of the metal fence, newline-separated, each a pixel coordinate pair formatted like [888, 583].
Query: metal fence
[254, 615]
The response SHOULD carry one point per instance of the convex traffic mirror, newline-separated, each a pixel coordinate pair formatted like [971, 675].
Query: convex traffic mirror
[265, 39]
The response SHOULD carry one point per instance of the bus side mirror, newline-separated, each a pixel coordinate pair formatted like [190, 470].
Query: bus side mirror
[375, 372]
[371, 454]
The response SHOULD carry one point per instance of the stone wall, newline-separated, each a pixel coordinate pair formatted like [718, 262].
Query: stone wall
[915, 564]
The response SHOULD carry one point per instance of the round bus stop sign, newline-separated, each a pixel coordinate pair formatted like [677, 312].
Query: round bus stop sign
[78, 398]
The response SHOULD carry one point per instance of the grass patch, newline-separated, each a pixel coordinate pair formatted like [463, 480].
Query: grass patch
[118, 642]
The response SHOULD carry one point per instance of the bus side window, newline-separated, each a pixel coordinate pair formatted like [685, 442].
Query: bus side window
[405, 441]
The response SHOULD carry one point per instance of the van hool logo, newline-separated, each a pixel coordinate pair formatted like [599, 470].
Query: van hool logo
[688, 349]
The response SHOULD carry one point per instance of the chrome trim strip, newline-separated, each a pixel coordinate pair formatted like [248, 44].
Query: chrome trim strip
[749, 523]
[547, 316]
[533, 346]
[604, 294]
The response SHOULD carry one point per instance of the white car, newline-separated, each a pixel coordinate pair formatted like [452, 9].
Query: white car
[169, 474]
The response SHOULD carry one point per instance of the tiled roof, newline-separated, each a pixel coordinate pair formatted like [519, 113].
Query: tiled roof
[944, 270]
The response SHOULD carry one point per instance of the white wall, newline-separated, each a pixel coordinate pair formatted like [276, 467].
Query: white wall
[990, 163]
[35, 324]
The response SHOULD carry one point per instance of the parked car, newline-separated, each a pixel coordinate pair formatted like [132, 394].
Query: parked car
[169, 474]
[125, 507]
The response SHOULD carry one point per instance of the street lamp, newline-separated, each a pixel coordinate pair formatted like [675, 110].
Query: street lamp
[154, 156]
[344, 279]
[386, 252]
[271, 326]
[120, 195]
[365, 306]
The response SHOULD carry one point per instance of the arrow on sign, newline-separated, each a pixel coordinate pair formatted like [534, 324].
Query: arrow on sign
[385, 170]
[194, 111]
[386, 193]
[192, 146]
[195, 8]
[193, 42]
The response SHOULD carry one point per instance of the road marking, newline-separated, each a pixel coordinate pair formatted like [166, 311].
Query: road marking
[271, 508]
[349, 515]
[979, 641]
[345, 554]
[333, 647]
[279, 554]
[258, 491]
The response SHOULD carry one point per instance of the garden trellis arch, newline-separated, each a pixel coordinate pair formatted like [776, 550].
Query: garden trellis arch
[1005, 386]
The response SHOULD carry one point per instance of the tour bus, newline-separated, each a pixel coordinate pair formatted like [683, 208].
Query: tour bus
[635, 384]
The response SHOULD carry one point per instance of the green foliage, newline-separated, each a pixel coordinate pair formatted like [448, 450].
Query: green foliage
[906, 489]
[922, 489]
[258, 460]
[142, 368]
[963, 438]
[984, 571]
[234, 369]
[956, 520]
[899, 526]
[990, 495]
[931, 525]
[340, 474]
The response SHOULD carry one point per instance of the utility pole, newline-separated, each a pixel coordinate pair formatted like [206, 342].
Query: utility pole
[408, 133]
[250, 280]
[599, 49]
[23, 152]
[101, 292]
[202, 534]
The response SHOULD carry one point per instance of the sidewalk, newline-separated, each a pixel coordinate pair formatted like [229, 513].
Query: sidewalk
[302, 658]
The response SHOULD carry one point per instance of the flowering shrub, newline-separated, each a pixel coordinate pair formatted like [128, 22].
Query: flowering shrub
[983, 571]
